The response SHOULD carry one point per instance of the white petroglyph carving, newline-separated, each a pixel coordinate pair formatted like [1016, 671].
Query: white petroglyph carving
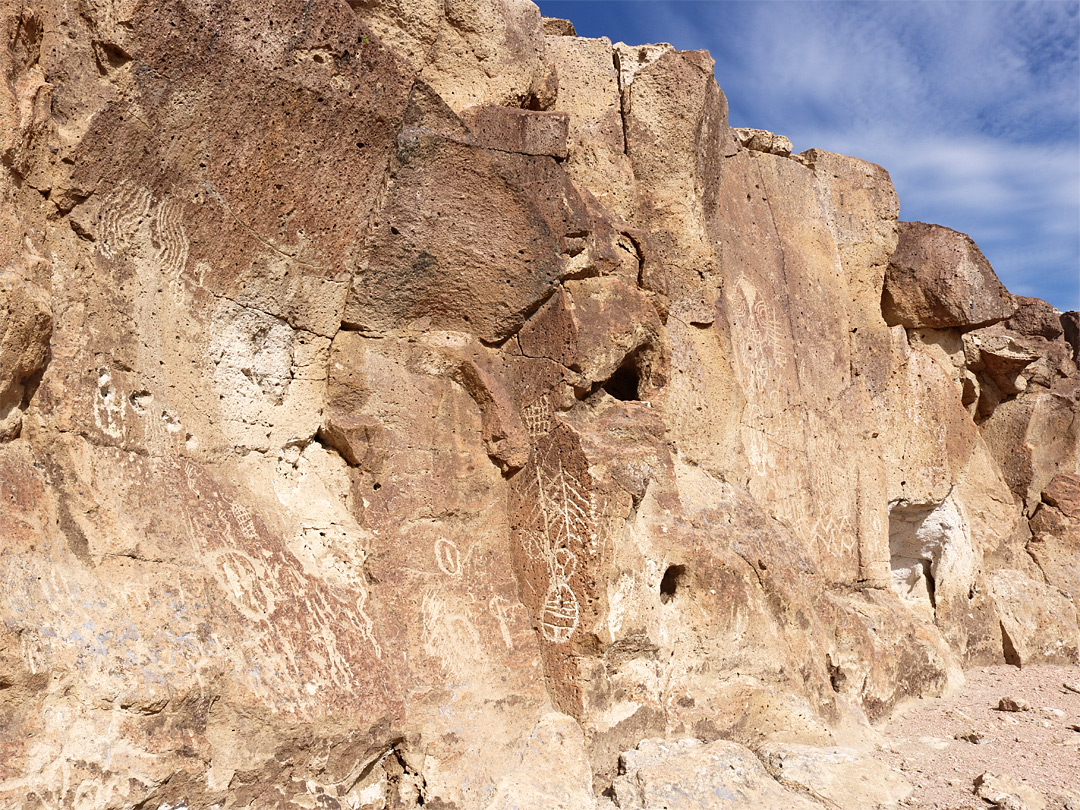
[121, 217]
[537, 417]
[131, 417]
[168, 234]
[562, 524]
[108, 407]
[450, 637]
[502, 609]
[131, 212]
[260, 577]
[448, 557]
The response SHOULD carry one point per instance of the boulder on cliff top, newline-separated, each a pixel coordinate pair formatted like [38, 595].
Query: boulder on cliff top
[1035, 318]
[938, 278]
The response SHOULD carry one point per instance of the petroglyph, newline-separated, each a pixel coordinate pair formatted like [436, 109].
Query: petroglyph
[756, 315]
[564, 522]
[537, 417]
[122, 216]
[263, 580]
[132, 217]
[502, 609]
[758, 343]
[168, 235]
[451, 637]
[108, 407]
[133, 417]
[448, 557]
[245, 581]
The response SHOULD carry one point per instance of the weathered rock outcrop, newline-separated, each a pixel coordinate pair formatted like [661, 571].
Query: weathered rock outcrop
[414, 403]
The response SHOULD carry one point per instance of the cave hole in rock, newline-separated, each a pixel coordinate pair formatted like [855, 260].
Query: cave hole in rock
[625, 383]
[920, 537]
[670, 582]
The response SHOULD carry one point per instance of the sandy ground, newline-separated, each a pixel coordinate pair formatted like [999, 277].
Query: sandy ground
[1035, 746]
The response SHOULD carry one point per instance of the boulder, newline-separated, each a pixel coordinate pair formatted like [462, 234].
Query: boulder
[1038, 621]
[1036, 318]
[555, 27]
[1070, 327]
[689, 773]
[1008, 793]
[26, 324]
[838, 777]
[938, 278]
[761, 140]
[1055, 528]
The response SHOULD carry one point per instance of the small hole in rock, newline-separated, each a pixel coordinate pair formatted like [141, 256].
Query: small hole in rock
[670, 582]
[624, 383]
[836, 675]
[376, 486]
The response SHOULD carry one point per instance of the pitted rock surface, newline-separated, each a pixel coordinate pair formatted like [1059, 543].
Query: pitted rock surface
[416, 404]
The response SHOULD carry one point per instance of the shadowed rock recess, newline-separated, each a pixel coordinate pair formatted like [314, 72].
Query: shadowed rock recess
[413, 403]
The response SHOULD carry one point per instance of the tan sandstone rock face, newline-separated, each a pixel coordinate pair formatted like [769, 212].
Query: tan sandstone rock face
[416, 404]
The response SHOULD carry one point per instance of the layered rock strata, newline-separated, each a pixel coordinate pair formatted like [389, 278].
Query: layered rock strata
[415, 403]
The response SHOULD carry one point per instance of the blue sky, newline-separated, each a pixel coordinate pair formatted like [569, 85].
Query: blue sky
[973, 106]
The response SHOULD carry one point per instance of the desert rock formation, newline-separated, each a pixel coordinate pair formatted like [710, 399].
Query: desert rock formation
[413, 402]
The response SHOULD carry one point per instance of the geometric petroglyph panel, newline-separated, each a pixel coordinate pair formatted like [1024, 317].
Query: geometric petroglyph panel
[561, 533]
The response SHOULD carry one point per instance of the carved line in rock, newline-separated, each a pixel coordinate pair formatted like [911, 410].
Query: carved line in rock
[537, 417]
[124, 215]
[448, 557]
[316, 629]
[451, 637]
[562, 524]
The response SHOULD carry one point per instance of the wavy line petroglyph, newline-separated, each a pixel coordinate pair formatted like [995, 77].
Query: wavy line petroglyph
[122, 215]
[167, 232]
[131, 212]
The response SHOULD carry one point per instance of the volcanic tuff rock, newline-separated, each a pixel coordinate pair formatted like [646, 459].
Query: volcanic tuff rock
[415, 402]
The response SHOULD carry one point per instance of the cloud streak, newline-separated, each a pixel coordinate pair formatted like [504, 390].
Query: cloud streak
[973, 107]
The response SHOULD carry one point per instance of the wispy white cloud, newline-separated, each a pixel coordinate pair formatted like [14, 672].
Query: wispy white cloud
[973, 107]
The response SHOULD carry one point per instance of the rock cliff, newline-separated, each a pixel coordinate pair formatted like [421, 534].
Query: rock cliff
[409, 402]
